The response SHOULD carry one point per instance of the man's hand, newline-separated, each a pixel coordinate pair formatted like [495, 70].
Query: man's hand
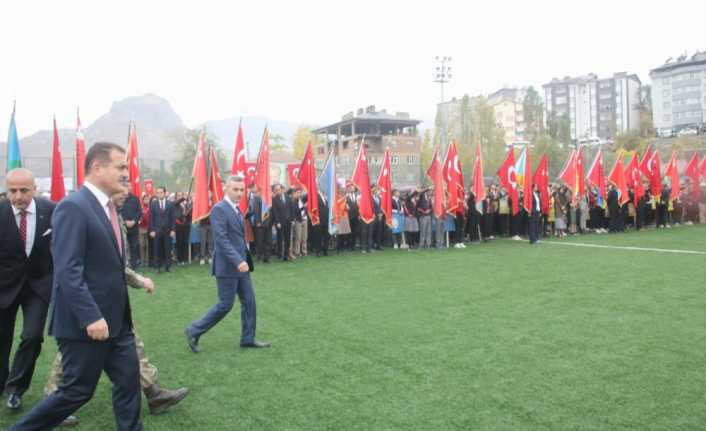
[149, 284]
[172, 234]
[153, 234]
[243, 267]
[129, 223]
[98, 330]
[279, 226]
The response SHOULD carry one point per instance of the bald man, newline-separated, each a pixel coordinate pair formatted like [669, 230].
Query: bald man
[25, 279]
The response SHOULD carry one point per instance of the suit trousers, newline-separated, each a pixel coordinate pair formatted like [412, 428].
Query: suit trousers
[83, 362]
[182, 242]
[534, 227]
[133, 240]
[228, 287]
[284, 234]
[366, 235]
[34, 313]
[424, 231]
[263, 242]
[148, 371]
[163, 249]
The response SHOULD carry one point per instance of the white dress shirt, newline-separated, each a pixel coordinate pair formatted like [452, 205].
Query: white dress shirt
[31, 224]
[235, 207]
[103, 199]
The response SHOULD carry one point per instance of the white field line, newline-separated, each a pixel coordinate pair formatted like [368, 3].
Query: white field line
[616, 247]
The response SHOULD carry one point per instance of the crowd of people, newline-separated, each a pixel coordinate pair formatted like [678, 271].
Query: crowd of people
[160, 229]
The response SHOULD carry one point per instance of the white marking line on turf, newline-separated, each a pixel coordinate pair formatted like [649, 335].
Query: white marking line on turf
[663, 250]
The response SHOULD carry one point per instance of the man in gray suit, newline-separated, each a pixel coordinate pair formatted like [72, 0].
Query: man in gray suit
[231, 269]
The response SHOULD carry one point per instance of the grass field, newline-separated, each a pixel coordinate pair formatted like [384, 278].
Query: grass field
[502, 335]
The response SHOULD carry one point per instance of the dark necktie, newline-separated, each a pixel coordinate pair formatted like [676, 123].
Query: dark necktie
[23, 229]
[116, 226]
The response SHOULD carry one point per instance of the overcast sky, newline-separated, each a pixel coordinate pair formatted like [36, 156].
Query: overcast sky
[311, 62]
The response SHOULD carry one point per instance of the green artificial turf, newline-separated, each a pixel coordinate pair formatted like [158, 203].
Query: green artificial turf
[501, 335]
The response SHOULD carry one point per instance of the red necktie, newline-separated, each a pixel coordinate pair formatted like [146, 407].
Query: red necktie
[23, 229]
[116, 226]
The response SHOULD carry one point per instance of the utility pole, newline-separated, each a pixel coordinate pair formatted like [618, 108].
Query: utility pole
[442, 75]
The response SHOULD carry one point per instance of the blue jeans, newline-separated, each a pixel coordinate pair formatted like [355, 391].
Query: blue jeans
[227, 289]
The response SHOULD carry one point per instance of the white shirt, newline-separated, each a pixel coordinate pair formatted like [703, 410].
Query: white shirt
[103, 199]
[234, 206]
[31, 224]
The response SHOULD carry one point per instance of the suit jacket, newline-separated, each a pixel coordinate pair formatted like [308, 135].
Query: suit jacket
[323, 212]
[132, 210]
[89, 281]
[229, 244]
[255, 210]
[18, 269]
[162, 221]
[280, 210]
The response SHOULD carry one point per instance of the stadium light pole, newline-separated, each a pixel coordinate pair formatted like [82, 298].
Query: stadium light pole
[442, 75]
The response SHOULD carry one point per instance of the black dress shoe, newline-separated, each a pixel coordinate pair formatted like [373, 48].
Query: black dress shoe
[167, 270]
[256, 345]
[192, 341]
[69, 422]
[14, 402]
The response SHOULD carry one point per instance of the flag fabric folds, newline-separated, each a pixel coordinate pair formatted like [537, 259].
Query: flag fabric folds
[634, 179]
[617, 178]
[215, 183]
[596, 176]
[307, 179]
[692, 171]
[80, 153]
[361, 179]
[327, 185]
[133, 162]
[453, 177]
[508, 180]
[478, 183]
[384, 184]
[239, 166]
[201, 201]
[527, 180]
[435, 174]
[673, 175]
[14, 160]
[262, 172]
[58, 190]
[541, 179]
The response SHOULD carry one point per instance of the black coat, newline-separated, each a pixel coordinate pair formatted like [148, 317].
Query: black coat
[323, 211]
[161, 221]
[132, 210]
[16, 268]
[281, 210]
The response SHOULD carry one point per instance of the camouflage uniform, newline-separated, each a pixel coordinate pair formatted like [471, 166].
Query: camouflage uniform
[148, 372]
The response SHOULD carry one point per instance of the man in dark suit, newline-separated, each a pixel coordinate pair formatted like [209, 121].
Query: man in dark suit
[534, 216]
[162, 228]
[613, 208]
[132, 213]
[90, 308]
[322, 235]
[231, 269]
[25, 279]
[262, 224]
[281, 218]
[353, 215]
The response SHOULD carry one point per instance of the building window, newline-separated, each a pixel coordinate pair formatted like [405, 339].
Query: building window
[667, 105]
[394, 160]
[411, 160]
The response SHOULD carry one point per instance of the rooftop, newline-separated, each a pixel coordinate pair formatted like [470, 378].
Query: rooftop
[697, 59]
[370, 116]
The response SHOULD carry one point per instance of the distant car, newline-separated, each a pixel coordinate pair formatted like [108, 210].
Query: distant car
[592, 141]
[688, 131]
[666, 132]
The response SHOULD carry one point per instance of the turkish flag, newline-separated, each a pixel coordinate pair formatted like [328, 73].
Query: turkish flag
[293, 171]
[508, 179]
[361, 179]
[617, 177]
[702, 168]
[541, 179]
[527, 197]
[435, 172]
[239, 166]
[149, 187]
[692, 171]
[262, 172]
[215, 183]
[655, 170]
[644, 165]
[634, 179]
[250, 169]
[307, 178]
[133, 166]
[453, 176]
[673, 175]
[201, 202]
[596, 176]
[568, 173]
[580, 175]
[478, 185]
[385, 186]
[57, 171]
[80, 153]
